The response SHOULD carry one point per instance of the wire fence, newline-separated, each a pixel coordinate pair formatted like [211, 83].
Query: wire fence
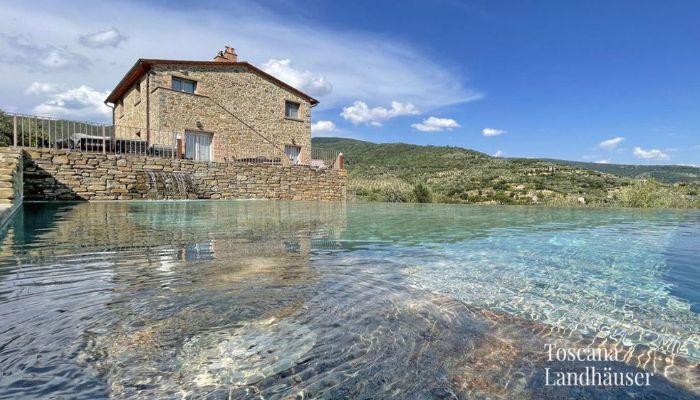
[33, 131]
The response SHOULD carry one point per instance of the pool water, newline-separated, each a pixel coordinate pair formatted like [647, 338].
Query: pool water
[264, 299]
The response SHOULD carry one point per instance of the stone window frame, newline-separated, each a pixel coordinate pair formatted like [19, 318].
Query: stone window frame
[182, 77]
[284, 110]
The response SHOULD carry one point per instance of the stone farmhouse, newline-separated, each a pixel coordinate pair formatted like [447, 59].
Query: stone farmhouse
[221, 110]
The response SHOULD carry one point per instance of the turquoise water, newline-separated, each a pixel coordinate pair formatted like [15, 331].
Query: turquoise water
[325, 300]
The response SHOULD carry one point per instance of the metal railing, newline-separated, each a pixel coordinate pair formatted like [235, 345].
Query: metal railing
[46, 132]
[43, 132]
[263, 153]
[324, 159]
[33, 131]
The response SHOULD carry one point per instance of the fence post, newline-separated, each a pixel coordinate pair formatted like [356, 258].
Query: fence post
[339, 162]
[104, 141]
[174, 144]
[14, 130]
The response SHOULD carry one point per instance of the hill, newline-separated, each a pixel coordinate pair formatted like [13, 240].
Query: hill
[661, 173]
[405, 172]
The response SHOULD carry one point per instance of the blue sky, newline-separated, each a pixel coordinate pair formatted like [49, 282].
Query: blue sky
[589, 81]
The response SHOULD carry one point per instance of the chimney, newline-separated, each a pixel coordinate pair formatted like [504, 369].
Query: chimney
[228, 55]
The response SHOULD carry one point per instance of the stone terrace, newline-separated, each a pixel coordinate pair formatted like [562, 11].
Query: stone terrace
[51, 174]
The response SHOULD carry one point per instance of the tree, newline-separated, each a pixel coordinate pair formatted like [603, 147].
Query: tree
[422, 193]
[6, 135]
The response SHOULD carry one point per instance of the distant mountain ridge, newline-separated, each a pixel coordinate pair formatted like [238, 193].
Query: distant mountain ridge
[661, 173]
[403, 172]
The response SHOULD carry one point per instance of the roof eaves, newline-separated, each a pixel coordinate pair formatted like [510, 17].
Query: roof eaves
[142, 65]
[135, 71]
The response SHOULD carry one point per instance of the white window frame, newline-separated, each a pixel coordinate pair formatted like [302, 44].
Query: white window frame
[182, 80]
[196, 151]
[294, 156]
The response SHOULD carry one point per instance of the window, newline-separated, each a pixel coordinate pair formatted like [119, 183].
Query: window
[198, 146]
[293, 153]
[291, 109]
[184, 85]
[199, 251]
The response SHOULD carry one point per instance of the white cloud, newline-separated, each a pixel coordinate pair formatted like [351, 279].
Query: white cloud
[41, 88]
[434, 124]
[306, 81]
[602, 161]
[22, 50]
[83, 103]
[492, 132]
[359, 112]
[651, 154]
[361, 65]
[107, 38]
[320, 127]
[499, 153]
[610, 144]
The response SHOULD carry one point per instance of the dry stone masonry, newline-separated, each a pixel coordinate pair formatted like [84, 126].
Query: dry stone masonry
[51, 174]
[10, 181]
[239, 106]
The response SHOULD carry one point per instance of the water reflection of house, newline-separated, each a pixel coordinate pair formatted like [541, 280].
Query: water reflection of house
[243, 237]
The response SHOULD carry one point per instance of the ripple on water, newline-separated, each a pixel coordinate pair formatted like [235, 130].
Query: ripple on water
[278, 300]
[244, 355]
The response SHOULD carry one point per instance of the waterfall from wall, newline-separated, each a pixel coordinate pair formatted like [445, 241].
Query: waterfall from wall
[169, 185]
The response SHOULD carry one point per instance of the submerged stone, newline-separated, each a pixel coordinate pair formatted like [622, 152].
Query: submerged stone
[246, 354]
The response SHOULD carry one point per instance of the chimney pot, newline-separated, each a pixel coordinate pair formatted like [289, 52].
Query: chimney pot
[228, 55]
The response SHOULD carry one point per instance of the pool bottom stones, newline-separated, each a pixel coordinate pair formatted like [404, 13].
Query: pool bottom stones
[281, 300]
[412, 345]
[244, 355]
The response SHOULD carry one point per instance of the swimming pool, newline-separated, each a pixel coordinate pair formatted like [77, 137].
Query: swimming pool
[265, 299]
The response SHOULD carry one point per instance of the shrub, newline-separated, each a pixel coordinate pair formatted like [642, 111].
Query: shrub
[422, 193]
[500, 185]
[648, 194]
[395, 196]
[502, 198]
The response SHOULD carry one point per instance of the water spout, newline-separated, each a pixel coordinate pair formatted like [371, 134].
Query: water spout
[169, 185]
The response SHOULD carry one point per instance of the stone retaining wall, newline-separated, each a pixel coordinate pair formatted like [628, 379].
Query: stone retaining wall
[61, 175]
[10, 181]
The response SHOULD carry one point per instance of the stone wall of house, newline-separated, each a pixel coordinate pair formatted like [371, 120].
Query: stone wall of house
[252, 99]
[11, 184]
[130, 113]
[60, 175]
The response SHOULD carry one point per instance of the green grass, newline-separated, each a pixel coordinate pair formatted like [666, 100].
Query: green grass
[411, 173]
